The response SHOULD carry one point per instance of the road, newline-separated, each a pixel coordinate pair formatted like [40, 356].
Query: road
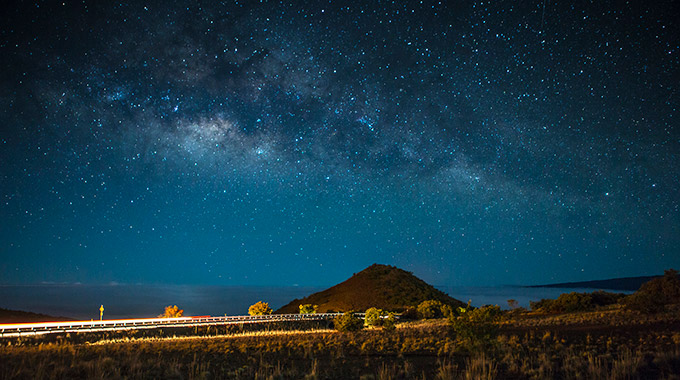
[25, 329]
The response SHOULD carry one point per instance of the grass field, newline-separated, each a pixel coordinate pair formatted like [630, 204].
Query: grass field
[606, 344]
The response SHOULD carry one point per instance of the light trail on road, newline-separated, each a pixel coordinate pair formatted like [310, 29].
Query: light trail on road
[26, 329]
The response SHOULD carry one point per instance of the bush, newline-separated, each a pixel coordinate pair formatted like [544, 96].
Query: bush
[172, 312]
[348, 322]
[542, 305]
[410, 313]
[643, 303]
[260, 308]
[374, 317]
[308, 308]
[477, 328]
[389, 323]
[574, 301]
[430, 309]
[654, 295]
[602, 298]
[447, 311]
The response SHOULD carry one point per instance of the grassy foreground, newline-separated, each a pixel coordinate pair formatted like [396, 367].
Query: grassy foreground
[605, 344]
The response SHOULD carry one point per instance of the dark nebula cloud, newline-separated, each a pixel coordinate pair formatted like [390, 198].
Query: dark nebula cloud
[281, 142]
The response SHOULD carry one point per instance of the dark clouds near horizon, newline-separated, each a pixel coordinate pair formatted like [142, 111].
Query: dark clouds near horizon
[278, 143]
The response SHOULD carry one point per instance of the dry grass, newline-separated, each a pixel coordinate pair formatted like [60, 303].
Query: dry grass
[427, 350]
[220, 336]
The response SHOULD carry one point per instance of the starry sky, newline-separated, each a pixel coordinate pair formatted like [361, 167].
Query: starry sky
[278, 143]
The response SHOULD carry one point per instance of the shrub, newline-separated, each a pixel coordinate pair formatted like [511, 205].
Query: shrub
[542, 305]
[478, 327]
[490, 313]
[308, 308]
[654, 295]
[643, 303]
[374, 317]
[430, 309]
[348, 322]
[172, 312]
[667, 286]
[410, 313]
[260, 308]
[602, 298]
[389, 323]
[447, 311]
[572, 302]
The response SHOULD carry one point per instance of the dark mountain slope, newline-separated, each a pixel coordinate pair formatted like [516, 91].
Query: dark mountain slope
[382, 286]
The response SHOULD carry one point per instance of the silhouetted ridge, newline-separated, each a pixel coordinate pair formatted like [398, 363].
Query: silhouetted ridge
[17, 316]
[382, 286]
[623, 283]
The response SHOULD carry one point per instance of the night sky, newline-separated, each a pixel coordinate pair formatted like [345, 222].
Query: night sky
[281, 143]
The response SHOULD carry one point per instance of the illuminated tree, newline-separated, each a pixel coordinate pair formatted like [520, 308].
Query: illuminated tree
[389, 323]
[260, 308]
[308, 308]
[172, 312]
[374, 316]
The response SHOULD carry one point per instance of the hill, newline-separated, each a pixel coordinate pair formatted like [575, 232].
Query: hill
[382, 286]
[623, 283]
[17, 316]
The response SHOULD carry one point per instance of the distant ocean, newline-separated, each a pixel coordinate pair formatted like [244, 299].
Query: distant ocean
[141, 301]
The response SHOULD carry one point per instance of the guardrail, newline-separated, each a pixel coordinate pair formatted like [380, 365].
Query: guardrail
[23, 329]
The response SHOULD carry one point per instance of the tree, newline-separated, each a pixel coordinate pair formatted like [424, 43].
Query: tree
[348, 322]
[172, 312]
[308, 308]
[260, 308]
[513, 304]
[374, 316]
